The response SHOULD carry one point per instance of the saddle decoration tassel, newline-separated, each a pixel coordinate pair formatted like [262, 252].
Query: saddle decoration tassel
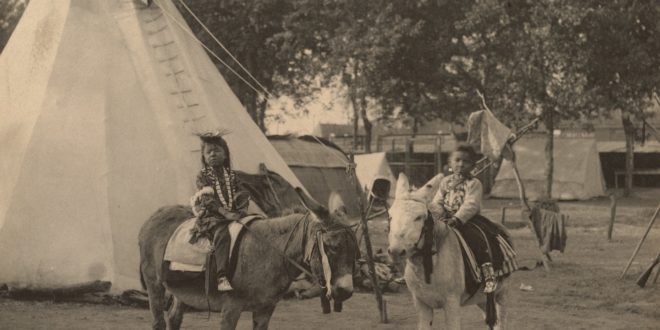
[327, 271]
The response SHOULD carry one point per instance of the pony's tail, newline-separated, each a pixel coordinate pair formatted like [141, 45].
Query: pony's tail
[142, 283]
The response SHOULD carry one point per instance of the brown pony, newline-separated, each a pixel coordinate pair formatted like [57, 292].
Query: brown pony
[262, 274]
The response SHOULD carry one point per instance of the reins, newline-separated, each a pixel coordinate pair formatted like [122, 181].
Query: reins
[426, 251]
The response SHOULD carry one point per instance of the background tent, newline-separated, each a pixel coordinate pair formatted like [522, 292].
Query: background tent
[372, 166]
[577, 170]
[321, 168]
[100, 103]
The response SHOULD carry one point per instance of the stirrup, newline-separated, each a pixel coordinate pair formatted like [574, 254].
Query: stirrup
[490, 281]
[224, 285]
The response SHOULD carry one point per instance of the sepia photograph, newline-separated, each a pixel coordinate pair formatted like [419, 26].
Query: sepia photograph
[329, 164]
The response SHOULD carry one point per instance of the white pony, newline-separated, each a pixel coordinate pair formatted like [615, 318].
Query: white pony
[447, 286]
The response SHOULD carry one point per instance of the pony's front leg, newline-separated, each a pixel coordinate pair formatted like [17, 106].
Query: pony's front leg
[261, 317]
[453, 313]
[231, 312]
[175, 314]
[424, 315]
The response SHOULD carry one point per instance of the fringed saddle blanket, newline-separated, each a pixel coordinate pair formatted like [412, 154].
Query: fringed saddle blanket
[184, 256]
[503, 254]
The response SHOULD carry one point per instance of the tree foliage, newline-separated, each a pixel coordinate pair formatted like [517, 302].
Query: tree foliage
[10, 13]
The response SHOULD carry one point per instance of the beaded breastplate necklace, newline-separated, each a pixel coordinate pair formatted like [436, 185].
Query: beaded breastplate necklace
[223, 186]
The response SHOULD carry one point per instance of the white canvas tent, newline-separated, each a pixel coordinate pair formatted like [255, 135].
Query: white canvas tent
[100, 100]
[577, 172]
[372, 166]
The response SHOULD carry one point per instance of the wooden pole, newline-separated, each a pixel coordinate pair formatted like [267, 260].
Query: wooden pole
[525, 206]
[367, 242]
[612, 216]
[641, 281]
[639, 245]
[438, 165]
[655, 278]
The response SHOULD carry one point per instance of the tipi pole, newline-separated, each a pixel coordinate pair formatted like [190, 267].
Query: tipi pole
[639, 245]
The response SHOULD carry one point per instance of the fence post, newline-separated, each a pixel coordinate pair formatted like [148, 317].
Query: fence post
[612, 216]
[438, 154]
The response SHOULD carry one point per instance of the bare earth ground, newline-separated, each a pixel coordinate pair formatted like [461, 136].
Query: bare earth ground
[581, 292]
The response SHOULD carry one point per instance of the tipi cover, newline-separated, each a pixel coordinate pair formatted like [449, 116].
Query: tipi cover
[100, 103]
[577, 172]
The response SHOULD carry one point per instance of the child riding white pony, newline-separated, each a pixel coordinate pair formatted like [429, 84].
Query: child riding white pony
[437, 253]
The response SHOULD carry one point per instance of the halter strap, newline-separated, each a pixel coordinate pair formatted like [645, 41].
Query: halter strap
[327, 271]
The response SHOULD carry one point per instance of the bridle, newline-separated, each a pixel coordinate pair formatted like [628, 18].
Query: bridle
[426, 238]
[319, 247]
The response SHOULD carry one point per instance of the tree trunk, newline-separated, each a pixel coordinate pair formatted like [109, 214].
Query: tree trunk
[629, 131]
[549, 153]
[415, 130]
[261, 114]
[356, 115]
[251, 97]
[251, 106]
[366, 123]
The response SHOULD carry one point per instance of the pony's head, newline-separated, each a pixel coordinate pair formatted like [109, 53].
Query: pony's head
[335, 241]
[407, 215]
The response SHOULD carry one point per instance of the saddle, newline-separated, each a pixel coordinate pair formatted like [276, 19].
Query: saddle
[182, 256]
[477, 235]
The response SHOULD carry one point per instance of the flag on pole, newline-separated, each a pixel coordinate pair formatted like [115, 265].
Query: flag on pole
[488, 134]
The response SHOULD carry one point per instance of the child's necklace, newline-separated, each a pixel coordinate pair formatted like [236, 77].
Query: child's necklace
[227, 204]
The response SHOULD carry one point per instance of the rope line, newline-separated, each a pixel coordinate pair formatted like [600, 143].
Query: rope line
[225, 48]
[192, 35]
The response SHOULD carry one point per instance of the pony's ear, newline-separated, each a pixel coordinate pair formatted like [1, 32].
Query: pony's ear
[336, 204]
[319, 211]
[428, 190]
[402, 186]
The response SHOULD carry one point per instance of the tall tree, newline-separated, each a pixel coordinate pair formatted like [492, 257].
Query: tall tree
[523, 56]
[389, 55]
[623, 47]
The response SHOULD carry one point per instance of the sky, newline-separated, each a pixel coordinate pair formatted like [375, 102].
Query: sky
[293, 121]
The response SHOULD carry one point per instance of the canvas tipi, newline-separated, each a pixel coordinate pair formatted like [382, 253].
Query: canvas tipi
[374, 166]
[100, 103]
[577, 172]
[320, 167]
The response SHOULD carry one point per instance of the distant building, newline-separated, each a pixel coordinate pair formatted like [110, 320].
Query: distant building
[428, 150]
[611, 145]
[421, 156]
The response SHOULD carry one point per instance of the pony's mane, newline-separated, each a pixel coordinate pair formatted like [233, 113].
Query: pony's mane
[293, 210]
[279, 224]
